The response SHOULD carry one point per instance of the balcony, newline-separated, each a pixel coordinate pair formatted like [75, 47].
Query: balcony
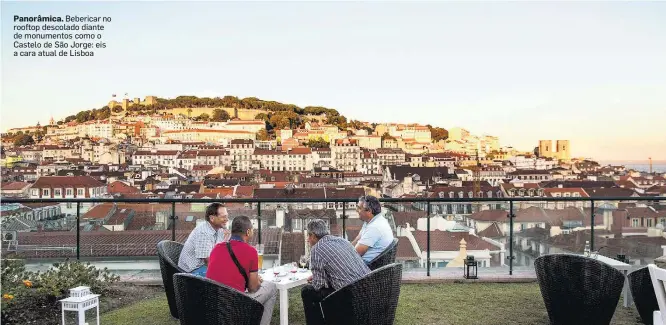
[505, 235]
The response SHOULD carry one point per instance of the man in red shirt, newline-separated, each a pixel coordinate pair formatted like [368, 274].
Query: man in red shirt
[235, 264]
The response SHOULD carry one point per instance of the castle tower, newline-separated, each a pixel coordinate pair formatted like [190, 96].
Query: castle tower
[563, 150]
[545, 148]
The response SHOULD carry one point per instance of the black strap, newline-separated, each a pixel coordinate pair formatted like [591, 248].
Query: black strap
[238, 265]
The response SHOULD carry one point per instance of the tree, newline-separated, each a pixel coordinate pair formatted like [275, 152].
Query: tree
[317, 143]
[220, 115]
[189, 113]
[262, 116]
[438, 133]
[387, 136]
[279, 121]
[262, 135]
[204, 117]
[23, 140]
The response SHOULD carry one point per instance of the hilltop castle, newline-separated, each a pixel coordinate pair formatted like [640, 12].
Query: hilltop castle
[125, 103]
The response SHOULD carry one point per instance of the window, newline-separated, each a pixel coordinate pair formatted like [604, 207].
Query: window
[46, 192]
[35, 192]
[635, 223]
[80, 192]
[69, 205]
[57, 192]
[649, 222]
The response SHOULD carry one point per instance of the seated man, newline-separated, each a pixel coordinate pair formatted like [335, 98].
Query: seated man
[197, 247]
[376, 233]
[334, 264]
[235, 264]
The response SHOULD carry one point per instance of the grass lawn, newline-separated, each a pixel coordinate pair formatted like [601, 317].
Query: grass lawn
[442, 304]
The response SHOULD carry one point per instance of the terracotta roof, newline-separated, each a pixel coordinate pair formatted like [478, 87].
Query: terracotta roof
[609, 192]
[490, 215]
[14, 186]
[66, 181]
[493, 231]
[405, 250]
[450, 241]
[551, 191]
[403, 217]
[121, 187]
[99, 211]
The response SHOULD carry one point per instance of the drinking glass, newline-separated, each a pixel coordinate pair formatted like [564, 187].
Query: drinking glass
[293, 268]
[260, 254]
[303, 261]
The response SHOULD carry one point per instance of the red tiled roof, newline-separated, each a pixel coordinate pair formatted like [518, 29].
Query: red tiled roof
[450, 241]
[551, 191]
[121, 187]
[99, 211]
[401, 218]
[14, 186]
[493, 231]
[66, 181]
[405, 250]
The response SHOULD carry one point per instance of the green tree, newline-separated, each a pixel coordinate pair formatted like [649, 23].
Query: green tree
[317, 143]
[23, 140]
[387, 136]
[438, 133]
[262, 135]
[204, 117]
[262, 116]
[220, 115]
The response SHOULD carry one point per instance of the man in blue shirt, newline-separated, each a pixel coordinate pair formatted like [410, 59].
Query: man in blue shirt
[376, 233]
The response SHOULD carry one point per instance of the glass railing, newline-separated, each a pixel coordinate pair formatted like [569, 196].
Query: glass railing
[505, 235]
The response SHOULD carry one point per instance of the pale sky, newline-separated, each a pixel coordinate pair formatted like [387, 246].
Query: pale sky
[590, 72]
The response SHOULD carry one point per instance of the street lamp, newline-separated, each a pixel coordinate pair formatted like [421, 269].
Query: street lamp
[470, 271]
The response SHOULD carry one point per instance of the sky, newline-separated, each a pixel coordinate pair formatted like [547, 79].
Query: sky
[590, 72]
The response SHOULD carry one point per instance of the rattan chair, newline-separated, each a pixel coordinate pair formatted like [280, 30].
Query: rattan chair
[578, 289]
[370, 300]
[168, 253]
[386, 257]
[202, 301]
[642, 290]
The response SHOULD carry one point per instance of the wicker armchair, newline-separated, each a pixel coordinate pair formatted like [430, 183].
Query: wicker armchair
[386, 257]
[169, 253]
[202, 301]
[642, 290]
[577, 289]
[370, 300]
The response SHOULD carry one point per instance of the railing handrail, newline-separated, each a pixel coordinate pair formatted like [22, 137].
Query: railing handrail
[333, 200]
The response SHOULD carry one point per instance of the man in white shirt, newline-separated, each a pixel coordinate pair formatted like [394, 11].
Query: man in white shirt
[199, 244]
[376, 233]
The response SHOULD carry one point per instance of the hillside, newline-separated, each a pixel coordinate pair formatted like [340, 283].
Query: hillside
[277, 115]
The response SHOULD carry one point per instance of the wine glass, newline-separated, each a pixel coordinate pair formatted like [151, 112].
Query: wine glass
[303, 261]
[293, 268]
[276, 271]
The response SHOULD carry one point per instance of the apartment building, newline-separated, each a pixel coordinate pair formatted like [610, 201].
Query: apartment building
[346, 154]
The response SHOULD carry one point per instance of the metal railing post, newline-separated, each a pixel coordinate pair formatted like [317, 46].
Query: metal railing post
[259, 222]
[173, 221]
[428, 239]
[510, 257]
[78, 230]
[592, 226]
[344, 220]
